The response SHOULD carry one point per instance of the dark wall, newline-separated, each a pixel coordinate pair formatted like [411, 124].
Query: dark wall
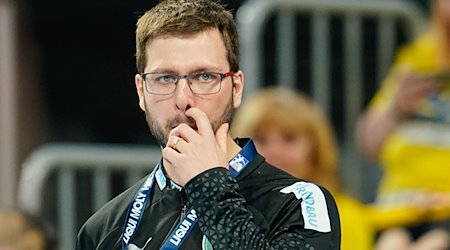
[86, 68]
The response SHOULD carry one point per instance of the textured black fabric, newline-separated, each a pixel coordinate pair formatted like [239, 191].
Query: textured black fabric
[248, 212]
[227, 223]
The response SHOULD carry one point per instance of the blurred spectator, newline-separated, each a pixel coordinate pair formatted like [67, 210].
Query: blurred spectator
[19, 231]
[294, 135]
[407, 130]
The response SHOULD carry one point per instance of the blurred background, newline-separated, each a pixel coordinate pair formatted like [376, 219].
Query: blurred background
[67, 81]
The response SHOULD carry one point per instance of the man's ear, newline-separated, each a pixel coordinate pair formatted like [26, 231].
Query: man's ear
[238, 88]
[138, 81]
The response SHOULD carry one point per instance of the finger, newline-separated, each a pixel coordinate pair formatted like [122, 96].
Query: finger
[175, 142]
[424, 88]
[184, 131]
[222, 135]
[201, 120]
[429, 86]
[168, 154]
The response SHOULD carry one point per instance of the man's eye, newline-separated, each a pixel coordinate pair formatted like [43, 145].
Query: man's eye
[205, 77]
[165, 79]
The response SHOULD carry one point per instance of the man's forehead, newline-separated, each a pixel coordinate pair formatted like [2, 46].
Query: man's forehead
[201, 50]
[185, 35]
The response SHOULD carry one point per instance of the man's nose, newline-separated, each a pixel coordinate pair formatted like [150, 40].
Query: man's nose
[184, 97]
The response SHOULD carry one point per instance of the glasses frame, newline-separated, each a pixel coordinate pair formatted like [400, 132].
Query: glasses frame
[187, 77]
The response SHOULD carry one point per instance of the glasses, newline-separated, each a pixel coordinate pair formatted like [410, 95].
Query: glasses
[201, 83]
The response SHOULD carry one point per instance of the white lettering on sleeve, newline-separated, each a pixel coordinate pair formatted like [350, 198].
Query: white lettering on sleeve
[314, 205]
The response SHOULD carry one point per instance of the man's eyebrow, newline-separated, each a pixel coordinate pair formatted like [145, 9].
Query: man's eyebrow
[162, 70]
[205, 69]
[197, 70]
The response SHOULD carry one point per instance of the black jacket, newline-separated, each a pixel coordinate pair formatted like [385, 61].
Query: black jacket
[263, 208]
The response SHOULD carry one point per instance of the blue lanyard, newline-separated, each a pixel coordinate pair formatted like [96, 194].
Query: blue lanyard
[136, 209]
[182, 230]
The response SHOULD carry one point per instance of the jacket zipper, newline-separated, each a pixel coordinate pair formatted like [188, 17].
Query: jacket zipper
[183, 211]
[184, 208]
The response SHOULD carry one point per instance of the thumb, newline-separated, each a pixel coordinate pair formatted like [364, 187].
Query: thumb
[221, 136]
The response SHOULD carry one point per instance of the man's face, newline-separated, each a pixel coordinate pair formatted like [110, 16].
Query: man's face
[199, 52]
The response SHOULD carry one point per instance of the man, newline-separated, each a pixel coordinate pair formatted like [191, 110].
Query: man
[209, 191]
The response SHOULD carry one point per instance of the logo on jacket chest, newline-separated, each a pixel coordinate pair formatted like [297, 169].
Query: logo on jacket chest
[238, 162]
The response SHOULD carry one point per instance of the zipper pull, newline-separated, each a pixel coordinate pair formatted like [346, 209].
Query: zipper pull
[183, 211]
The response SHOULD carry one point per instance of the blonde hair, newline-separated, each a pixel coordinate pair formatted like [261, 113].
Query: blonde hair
[442, 33]
[184, 17]
[295, 113]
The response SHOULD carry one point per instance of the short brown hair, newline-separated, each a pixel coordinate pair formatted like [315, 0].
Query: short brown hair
[181, 17]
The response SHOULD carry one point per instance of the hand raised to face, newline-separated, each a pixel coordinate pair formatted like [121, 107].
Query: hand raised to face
[190, 152]
[413, 88]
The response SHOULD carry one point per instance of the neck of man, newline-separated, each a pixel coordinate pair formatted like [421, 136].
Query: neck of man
[232, 148]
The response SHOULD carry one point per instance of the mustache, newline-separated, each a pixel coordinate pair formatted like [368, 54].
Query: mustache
[181, 119]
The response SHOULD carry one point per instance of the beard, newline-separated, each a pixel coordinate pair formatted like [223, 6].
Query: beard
[161, 133]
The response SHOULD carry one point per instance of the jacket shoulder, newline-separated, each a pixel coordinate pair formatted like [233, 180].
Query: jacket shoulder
[298, 201]
[107, 219]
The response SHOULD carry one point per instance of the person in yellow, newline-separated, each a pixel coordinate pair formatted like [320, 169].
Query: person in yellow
[292, 133]
[406, 128]
[18, 231]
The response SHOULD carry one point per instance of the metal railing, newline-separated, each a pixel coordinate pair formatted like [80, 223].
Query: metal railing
[254, 16]
[64, 162]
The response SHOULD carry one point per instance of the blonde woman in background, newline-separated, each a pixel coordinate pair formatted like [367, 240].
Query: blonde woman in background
[292, 133]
